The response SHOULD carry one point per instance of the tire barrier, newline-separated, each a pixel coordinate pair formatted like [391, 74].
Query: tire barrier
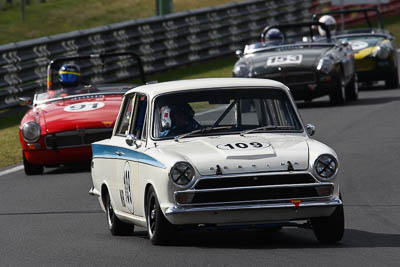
[162, 42]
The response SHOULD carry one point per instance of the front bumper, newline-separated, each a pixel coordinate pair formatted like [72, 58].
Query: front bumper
[254, 213]
[59, 156]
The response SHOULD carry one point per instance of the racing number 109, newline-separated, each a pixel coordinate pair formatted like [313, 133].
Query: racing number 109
[242, 145]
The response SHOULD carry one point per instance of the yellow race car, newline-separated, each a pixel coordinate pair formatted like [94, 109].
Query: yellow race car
[375, 51]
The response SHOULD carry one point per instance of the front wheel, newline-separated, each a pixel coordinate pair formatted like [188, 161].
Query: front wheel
[338, 94]
[329, 229]
[392, 81]
[31, 169]
[352, 89]
[158, 228]
[115, 225]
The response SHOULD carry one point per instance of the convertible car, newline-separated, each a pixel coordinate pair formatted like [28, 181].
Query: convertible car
[63, 122]
[375, 50]
[309, 65]
[186, 154]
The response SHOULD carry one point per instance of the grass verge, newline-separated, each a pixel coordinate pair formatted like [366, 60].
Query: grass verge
[70, 15]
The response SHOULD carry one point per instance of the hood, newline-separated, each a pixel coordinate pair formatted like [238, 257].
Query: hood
[81, 113]
[364, 47]
[289, 60]
[235, 154]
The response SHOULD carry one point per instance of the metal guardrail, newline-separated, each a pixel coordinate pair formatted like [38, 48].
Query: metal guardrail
[162, 42]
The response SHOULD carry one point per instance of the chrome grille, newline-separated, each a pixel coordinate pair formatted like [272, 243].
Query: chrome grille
[256, 188]
[78, 138]
[256, 180]
[289, 78]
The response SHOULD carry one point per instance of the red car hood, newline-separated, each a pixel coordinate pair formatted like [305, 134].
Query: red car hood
[80, 113]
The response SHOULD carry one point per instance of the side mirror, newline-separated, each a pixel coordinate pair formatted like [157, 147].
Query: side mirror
[345, 43]
[310, 129]
[131, 140]
[25, 101]
[239, 53]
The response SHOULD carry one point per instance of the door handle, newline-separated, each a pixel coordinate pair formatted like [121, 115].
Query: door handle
[119, 153]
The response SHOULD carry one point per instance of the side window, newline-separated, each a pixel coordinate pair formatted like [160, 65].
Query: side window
[140, 118]
[126, 116]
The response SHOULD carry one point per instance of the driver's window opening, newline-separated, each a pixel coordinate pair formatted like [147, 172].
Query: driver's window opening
[126, 116]
[138, 129]
[223, 112]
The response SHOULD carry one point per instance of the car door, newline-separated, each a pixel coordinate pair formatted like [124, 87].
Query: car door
[130, 153]
[125, 166]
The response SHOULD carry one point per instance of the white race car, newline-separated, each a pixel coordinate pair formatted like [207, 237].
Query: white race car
[215, 152]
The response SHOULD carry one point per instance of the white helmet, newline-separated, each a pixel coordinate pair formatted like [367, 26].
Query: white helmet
[330, 22]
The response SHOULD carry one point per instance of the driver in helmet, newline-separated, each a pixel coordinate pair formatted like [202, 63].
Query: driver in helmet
[330, 22]
[274, 37]
[69, 76]
[177, 119]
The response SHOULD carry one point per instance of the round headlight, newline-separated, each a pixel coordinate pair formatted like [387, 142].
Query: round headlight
[325, 65]
[31, 131]
[182, 173]
[326, 166]
[382, 52]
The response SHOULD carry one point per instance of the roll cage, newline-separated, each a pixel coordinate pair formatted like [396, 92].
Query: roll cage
[364, 11]
[102, 57]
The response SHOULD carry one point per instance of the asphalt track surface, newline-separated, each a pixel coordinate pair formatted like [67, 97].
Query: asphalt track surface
[51, 220]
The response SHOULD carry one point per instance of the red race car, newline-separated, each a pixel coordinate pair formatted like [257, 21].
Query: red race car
[64, 120]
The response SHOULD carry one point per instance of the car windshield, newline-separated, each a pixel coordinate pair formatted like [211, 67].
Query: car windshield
[70, 92]
[225, 111]
[80, 75]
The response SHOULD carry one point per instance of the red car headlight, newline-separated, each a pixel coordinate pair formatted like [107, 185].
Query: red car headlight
[30, 131]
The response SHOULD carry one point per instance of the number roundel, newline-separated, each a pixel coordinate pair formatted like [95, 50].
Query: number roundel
[243, 145]
[84, 106]
[127, 187]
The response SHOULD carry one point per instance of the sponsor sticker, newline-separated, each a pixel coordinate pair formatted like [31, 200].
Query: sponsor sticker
[358, 45]
[84, 106]
[243, 145]
[284, 60]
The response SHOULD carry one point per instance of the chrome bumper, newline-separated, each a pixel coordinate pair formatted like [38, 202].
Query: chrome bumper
[93, 192]
[303, 204]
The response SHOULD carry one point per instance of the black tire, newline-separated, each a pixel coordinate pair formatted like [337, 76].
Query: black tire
[159, 229]
[352, 89]
[338, 94]
[329, 229]
[392, 82]
[115, 225]
[31, 169]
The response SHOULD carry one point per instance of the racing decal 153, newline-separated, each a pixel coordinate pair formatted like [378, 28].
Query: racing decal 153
[127, 187]
[84, 106]
[284, 60]
[243, 145]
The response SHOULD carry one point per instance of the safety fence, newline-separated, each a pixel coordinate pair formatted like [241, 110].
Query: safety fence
[162, 42]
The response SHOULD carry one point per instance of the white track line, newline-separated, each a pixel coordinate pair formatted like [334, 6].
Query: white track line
[11, 170]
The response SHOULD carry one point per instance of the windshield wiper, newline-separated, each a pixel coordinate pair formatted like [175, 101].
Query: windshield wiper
[202, 130]
[269, 127]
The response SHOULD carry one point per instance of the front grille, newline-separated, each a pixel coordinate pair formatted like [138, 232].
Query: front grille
[256, 180]
[365, 64]
[81, 137]
[289, 78]
[258, 194]
[256, 188]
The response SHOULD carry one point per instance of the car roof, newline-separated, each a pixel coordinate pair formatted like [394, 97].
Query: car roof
[155, 89]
